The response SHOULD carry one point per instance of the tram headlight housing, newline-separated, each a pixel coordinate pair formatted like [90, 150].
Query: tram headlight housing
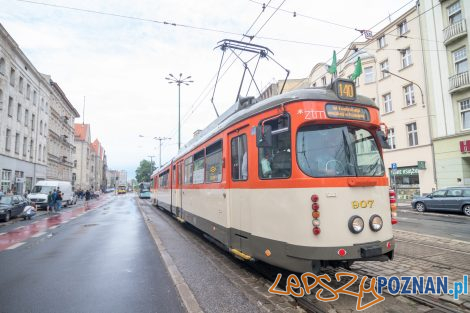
[356, 224]
[375, 222]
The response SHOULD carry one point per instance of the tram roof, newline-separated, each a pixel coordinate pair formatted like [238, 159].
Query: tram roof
[248, 107]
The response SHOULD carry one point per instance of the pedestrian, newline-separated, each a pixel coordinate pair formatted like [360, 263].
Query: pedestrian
[59, 199]
[29, 211]
[50, 203]
[54, 198]
[87, 195]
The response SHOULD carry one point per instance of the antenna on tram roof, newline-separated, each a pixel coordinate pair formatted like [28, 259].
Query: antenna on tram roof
[261, 51]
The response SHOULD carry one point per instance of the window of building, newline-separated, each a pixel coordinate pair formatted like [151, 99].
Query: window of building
[409, 95]
[455, 13]
[391, 138]
[405, 57]
[323, 80]
[275, 161]
[33, 118]
[381, 42]
[198, 167]
[44, 154]
[1, 99]
[17, 143]
[25, 145]
[214, 163]
[19, 109]
[31, 151]
[384, 66]
[2, 66]
[40, 127]
[412, 134]
[28, 91]
[10, 106]
[387, 101]
[40, 152]
[12, 77]
[8, 140]
[26, 117]
[465, 113]
[369, 75]
[35, 97]
[239, 152]
[6, 180]
[460, 60]
[20, 85]
[402, 28]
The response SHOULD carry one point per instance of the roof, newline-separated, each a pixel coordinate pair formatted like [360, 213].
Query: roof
[98, 148]
[82, 131]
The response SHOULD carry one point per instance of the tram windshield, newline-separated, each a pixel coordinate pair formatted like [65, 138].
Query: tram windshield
[338, 150]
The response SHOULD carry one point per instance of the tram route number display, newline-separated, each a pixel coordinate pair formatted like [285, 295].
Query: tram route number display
[347, 112]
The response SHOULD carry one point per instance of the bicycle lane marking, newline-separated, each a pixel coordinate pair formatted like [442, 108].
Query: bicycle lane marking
[15, 237]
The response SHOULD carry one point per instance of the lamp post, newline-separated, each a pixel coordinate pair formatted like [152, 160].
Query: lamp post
[160, 139]
[179, 80]
[422, 96]
[151, 162]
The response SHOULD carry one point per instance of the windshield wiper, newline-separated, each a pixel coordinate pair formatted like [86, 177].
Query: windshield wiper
[351, 160]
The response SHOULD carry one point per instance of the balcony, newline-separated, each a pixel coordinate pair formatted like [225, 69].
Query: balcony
[459, 82]
[455, 31]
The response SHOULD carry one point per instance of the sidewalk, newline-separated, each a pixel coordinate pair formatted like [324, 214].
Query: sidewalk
[404, 204]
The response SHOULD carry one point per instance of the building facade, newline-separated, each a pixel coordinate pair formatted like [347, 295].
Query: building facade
[60, 148]
[99, 166]
[394, 77]
[446, 41]
[82, 157]
[24, 118]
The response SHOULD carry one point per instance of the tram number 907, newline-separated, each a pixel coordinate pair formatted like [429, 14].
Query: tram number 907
[363, 204]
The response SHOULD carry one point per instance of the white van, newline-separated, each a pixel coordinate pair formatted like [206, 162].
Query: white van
[41, 190]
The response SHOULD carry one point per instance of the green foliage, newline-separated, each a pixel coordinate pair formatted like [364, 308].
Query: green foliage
[143, 172]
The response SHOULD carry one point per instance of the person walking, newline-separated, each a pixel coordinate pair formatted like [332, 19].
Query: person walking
[87, 195]
[59, 199]
[50, 203]
[54, 198]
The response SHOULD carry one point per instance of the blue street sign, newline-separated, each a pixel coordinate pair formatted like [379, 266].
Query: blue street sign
[394, 166]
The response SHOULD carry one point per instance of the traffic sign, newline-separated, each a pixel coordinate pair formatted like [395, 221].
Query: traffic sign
[394, 166]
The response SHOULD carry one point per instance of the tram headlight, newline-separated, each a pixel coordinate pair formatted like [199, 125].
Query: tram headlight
[356, 224]
[375, 222]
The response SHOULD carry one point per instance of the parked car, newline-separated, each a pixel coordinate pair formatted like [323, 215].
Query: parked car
[144, 194]
[455, 199]
[12, 206]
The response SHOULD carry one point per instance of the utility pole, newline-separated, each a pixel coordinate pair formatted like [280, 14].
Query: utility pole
[160, 139]
[151, 162]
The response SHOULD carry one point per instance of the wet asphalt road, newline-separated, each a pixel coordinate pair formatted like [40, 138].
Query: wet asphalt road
[451, 226]
[102, 261]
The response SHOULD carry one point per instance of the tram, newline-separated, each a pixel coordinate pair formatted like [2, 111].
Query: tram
[296, 180]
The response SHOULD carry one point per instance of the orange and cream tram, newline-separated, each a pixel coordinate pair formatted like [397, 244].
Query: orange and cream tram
[296, 180]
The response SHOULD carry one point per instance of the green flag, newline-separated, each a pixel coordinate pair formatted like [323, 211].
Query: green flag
[357, 69]
[332, 67]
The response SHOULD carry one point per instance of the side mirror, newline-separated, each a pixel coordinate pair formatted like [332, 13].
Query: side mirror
[429, 196]
[264, 136]
[383, 139]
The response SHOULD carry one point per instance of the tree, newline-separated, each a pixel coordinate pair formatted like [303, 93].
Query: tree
[145, 169]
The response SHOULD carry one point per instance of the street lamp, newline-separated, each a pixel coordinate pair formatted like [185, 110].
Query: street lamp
[160, 139]
[422, 96]
[151, 162]
[179, 80]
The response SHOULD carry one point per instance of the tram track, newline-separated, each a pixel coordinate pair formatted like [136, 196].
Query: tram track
[309, 303]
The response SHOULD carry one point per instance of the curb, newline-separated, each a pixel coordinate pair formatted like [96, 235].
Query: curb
[189, 300]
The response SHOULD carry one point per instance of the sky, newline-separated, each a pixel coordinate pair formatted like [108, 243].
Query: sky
[112, 57]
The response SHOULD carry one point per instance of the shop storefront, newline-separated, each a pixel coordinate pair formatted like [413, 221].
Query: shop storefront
[405, 182]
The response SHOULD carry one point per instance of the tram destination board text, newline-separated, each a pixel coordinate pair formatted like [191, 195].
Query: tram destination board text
[347, 112]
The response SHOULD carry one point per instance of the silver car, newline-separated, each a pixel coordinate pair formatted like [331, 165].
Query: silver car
[455, 199]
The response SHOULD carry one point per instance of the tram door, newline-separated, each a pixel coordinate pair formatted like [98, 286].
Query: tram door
[238, 185]
[173, 189]
[179, 190]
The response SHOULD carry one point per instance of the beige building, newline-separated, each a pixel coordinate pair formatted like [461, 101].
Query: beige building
[24, 106]
[445, 38]
[99, 166]
[60, 146]
[404, 108]
[81, 175]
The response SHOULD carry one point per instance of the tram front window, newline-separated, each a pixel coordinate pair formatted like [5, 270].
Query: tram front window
[338, 150]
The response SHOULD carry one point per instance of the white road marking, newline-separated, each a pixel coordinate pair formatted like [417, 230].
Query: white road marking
[19, 244]
[2, 234]
[54, 227]
[38, 234]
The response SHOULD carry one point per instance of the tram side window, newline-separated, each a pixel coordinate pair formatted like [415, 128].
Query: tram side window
[239, 158]
[214, 163]
[188, 171]
[276, 161]
[163, 179]
[198, 169]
